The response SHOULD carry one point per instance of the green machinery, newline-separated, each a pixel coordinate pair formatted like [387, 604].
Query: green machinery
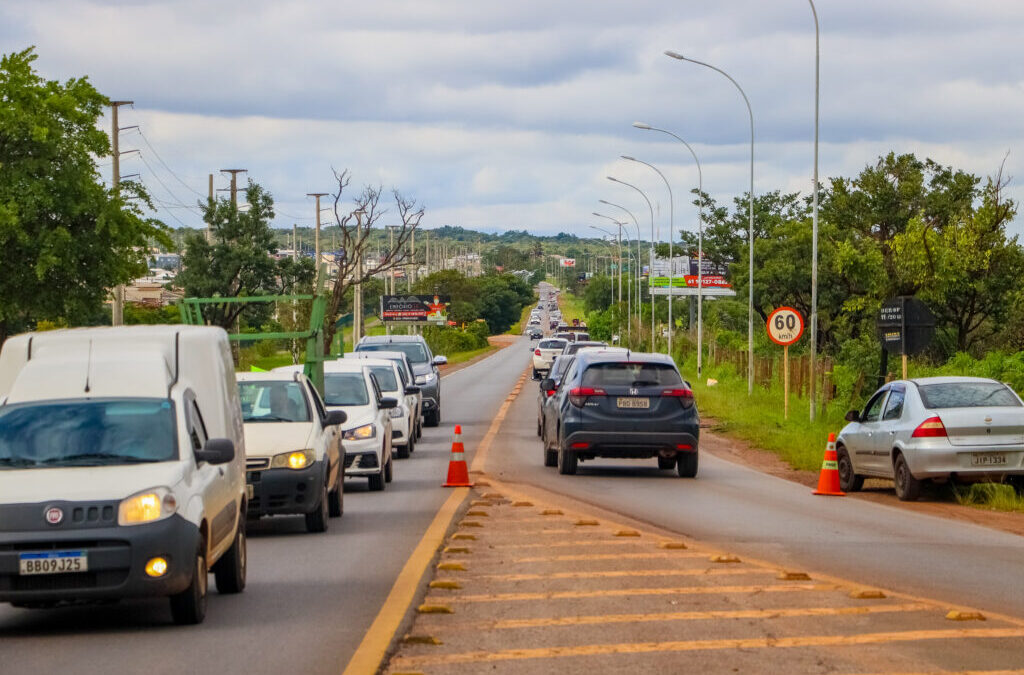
[192, 313]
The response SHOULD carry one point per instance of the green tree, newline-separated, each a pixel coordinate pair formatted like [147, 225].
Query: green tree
[598, 294]
[238, 261]
[65, 238]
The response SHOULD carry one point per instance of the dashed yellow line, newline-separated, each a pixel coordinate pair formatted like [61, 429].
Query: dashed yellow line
[709, 615]
[621, 592]
[698, 572]
[708, 645]
[611, 556]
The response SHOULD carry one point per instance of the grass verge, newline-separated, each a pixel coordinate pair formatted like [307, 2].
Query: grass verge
[989, 496]
[462, 357]
[524, 316]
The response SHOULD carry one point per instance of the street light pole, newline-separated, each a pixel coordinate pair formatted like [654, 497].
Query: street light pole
[651, 208]
[700, 243]
[750, 233]
[629, 296]
[637, 275]
[671, 229]
[814, 222]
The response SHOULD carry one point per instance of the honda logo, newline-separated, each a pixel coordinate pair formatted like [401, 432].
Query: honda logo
[633, 392]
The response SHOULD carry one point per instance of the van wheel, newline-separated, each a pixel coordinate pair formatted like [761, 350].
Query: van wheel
[848, 480]
[336, 500]
[229, 571]
[908, 488]
[189, 606]
[567, 462]
[666, 463]
[686, 464]
[316, 520]
[402, 451]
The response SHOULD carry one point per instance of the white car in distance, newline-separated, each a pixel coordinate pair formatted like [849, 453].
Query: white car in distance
[412, 393]
[293, 449]
[403, 431]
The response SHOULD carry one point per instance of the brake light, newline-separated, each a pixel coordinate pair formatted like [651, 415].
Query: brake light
[579, 395]
[930, 428]
[685, 396]
[580, 446]
[550, 392]
[536, 352]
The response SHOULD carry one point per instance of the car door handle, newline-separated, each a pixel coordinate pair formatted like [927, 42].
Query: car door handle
[892, 433]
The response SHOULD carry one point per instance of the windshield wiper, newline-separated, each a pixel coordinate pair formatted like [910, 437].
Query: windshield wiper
[16, 461]
[99, 458]
[267, 418]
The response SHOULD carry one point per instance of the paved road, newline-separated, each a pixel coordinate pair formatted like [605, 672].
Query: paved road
[310, 598]
[773, 519]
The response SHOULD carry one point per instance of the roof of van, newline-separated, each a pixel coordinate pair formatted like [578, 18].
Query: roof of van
[134, 361]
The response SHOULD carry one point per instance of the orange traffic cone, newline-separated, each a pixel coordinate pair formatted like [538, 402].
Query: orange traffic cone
[458, 472]
[828, 479]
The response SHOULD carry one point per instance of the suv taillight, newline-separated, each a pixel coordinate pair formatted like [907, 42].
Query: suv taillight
[930, 428]
[579, 395]
[685, 396]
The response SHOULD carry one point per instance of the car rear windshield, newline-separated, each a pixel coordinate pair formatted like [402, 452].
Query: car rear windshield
[385, 377]
[552, 344]
[87, 433]
[269, 401]
[414, 350]
[623, 374]
[345, 389]
[967, 395]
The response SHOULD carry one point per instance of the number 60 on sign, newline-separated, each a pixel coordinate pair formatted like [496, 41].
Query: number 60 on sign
[785, 326]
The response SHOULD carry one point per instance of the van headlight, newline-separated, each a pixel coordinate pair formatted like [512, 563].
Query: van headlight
[147, 507]
[297, 459]
[360, 433]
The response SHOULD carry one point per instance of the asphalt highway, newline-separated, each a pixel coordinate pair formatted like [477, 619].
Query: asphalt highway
[310, 597]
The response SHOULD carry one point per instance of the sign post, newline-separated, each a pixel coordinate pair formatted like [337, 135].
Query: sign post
[785, 327]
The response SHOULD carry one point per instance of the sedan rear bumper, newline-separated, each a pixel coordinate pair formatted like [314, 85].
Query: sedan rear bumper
[630, 444]
[961, 460]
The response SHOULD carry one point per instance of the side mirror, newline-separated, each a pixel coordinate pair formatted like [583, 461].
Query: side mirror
[335, 417]
[388, 403]
[853, 416]
[216, 451]
[412, 389]
[439, 360]
[548, 384]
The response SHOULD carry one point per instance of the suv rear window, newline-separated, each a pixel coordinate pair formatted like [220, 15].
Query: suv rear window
[413, 350]
[623, 374]
[552, 344]
[967, 395]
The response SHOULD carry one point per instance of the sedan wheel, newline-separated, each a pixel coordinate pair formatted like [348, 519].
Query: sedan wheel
[908, 488]
[848, 480]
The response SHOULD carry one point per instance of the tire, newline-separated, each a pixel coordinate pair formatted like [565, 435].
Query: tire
[229, 571]
[336, 499]
[1017, 483]
[550, 457]
[536, 375]
[188, 608]
[412, 441]
[419, 430]
[908, 488]
[316, 520]
[402, 451]
[540, 428]
[666, 463]
[848, 480]
[433, 418]
[389, 470]
[376, 481]
[566, 461]
[686, 464]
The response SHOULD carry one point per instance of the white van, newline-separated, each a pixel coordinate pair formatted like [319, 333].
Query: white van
[122, 467]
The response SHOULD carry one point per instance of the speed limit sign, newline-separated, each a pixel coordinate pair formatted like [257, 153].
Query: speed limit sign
[785, 326]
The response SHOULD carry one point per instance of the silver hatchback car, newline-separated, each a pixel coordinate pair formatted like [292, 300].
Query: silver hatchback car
[939, 428]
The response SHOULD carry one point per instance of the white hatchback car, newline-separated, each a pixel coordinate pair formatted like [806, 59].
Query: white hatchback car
[412, 393]
[293, 448]
[403, 429]
[350, 385]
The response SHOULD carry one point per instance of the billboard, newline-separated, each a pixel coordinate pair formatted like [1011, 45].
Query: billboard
[415, 309]
[567, 262]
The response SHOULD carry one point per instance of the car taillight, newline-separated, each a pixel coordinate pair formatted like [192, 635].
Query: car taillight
[579, 395]
[930, 428]
[536, 352]
[685, 396]
[550, 392]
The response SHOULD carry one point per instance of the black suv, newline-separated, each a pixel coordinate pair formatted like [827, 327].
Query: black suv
[621, 404]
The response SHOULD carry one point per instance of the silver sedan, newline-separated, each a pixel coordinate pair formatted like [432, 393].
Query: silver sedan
[934, 428]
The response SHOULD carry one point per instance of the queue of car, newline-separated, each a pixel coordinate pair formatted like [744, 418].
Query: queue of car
[135, 457]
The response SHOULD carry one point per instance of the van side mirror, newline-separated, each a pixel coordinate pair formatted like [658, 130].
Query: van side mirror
[412, 389]
[439, 360]
[853, 416]
[335, 417]
[388, 403]
[216, 451]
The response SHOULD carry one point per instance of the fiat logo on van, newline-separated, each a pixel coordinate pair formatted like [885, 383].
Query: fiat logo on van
[54, 515]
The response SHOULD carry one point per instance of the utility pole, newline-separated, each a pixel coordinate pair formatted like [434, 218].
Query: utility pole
[209, 228]
[357, 294]
[295, 241]
[117, 309]
[410, 277]
[234, 183]
[316, 239]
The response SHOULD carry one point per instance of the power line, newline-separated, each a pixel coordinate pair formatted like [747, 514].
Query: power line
[164, 185]
[169, 170]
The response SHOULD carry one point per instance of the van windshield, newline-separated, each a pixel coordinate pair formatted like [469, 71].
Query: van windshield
[413, 350]
[95, 432]
[345, 389]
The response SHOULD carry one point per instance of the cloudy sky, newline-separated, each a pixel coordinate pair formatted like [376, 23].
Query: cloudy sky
[509, 115]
